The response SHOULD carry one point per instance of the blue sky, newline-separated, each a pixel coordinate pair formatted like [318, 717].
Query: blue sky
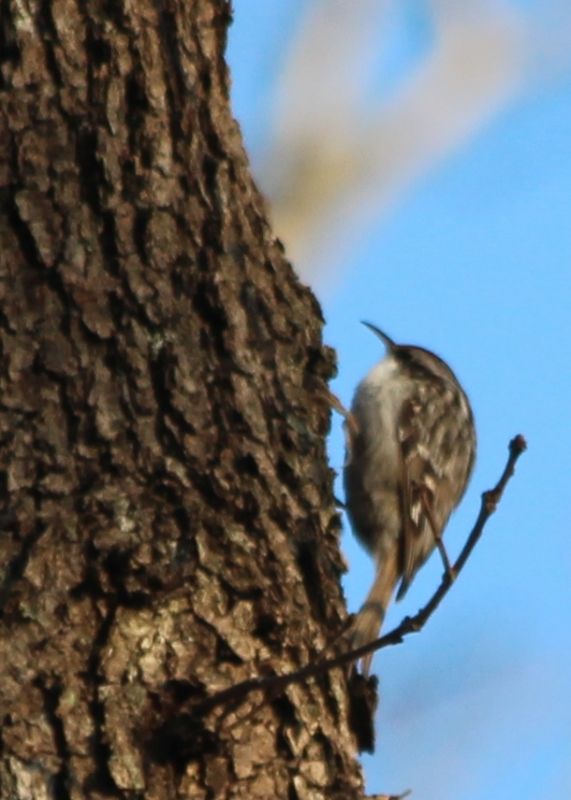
[473, 262]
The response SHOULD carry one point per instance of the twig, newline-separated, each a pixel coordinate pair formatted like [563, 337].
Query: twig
[389, 797]
[414, 624]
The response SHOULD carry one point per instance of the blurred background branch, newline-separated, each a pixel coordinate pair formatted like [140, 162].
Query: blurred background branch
[354, 125]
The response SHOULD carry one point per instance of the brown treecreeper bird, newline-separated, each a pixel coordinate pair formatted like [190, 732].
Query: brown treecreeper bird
[412, 444]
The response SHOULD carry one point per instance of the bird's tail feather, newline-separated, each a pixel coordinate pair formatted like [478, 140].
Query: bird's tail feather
[367, 624]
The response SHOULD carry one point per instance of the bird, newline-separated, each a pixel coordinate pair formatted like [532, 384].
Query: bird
[410, 453]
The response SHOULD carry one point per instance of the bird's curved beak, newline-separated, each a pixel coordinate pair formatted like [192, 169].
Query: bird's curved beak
[383, 336]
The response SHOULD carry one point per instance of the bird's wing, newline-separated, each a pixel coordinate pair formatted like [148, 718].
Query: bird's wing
[421, 480]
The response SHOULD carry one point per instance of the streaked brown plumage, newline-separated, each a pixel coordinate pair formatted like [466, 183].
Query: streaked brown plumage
[410, 460]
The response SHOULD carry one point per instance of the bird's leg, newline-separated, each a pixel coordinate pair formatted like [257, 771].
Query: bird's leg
[350, 427]
[448, 568]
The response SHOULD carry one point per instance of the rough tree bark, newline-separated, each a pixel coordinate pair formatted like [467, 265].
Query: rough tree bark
[167, 525]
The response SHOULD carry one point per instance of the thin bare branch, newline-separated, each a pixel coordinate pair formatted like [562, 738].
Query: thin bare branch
[276, 683]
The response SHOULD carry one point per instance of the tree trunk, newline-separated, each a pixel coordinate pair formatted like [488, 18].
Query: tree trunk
[167, 525]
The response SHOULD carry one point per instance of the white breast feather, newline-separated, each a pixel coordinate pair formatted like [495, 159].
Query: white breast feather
[377, 404]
